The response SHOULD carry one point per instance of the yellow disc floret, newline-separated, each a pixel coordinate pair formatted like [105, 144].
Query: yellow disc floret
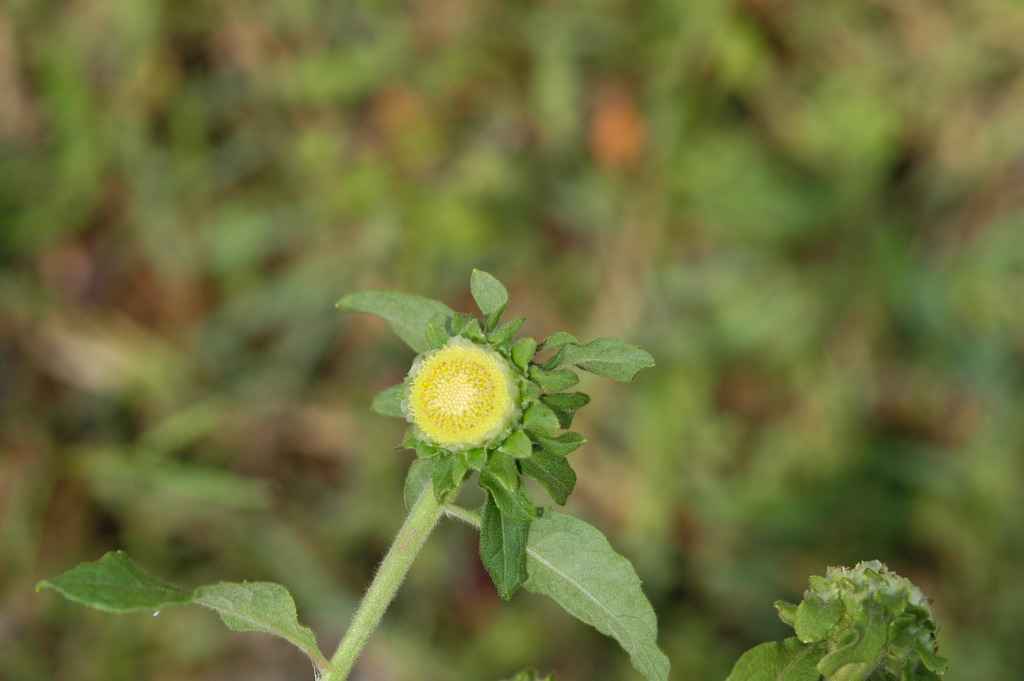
[461, 395]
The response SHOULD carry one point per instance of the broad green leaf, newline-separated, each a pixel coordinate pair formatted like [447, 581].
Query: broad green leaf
[406, 314]
[388, 402]
[862, 646]
[517, 445]
[258, 606]
[503, 467]
[490, 296]
[416, 479]
[815, 617]
[514, 504]
[436, 335]
[553, 381]
[608, 357]
[503, 547]
[522, 351]
[563, 445]
[115, 583]
[553, 472]
[572, 562]
[788, 660]
[558, 339]
[505, 332]
[541, 418]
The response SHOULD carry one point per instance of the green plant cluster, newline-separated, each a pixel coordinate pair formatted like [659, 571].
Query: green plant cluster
[864, 623]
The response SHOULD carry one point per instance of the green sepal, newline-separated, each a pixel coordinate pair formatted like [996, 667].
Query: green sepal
[816, 617]
[539, 417]
[861, 645]
[465, 325]
[406, 314]
[553, 381]
[563, 445]
[448, 471]
[409, 439]
[436, 335]
[565, 405]
[476, 458]
[558, 339]
[930, 658]
[514, 504]
[553, 472]
[503, 467]
[425, 450]
[523, 351]
[503, 547]
[786, 611]
[786, 660]
[490, 295]
[518, 445]
[416, 479]
[506, 332]
[608, 357]
[388, 402]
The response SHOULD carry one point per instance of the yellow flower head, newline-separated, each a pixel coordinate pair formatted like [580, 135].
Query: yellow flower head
[461, 395]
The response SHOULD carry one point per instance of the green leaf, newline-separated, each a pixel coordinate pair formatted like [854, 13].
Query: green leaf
[861, 646]
[416, 479]
[503, 547]
[572, 562]
[513, 504]
[465, 325]
[505, 332]
[259, 606]
[523, 351]
[436, 335]
[563, 445]
[788, 660]
[476, 458]
[447, 472]
[503, 467]
[388, 402]
[518, 445]
[787, 612]
[553, 472]
[490, 296]
[558, 339]
[540, 418]
[816, 617]
[406, 314]
[608, 357]
[115, 583]
[553, 381]
[565, 405]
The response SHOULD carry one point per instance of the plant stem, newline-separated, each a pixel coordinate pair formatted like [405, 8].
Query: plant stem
[422, 518]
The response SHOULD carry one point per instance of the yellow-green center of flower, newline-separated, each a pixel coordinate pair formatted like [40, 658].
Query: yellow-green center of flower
[461, 395]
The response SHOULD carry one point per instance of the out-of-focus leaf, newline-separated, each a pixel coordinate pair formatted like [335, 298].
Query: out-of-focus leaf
[407, 314]
[388, 402]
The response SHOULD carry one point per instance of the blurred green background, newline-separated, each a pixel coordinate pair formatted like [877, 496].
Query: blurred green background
[812, 214]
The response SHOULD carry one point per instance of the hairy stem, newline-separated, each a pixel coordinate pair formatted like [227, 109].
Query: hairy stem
[422, 518]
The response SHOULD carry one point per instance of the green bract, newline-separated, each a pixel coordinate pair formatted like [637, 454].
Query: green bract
[864, 623]
[481, 400]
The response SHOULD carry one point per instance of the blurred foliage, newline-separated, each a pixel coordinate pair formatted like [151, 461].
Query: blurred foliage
[812, 214]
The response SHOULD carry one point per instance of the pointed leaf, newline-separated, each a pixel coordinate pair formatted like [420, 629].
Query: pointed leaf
[260, 606]
[565, 405]
[517, 445]
[490, 296]
[503, 467]
[522, 351]
[553, 381]
[416, 479]
[553, 472]
[558, 339]
[608, 357]
[787, 612]
[563, 445]
[515, 504]
[116, 584]
[788, 660]
[505, 332]
[572, 562]
[503, 547]
[388, 402]
[408, 315]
